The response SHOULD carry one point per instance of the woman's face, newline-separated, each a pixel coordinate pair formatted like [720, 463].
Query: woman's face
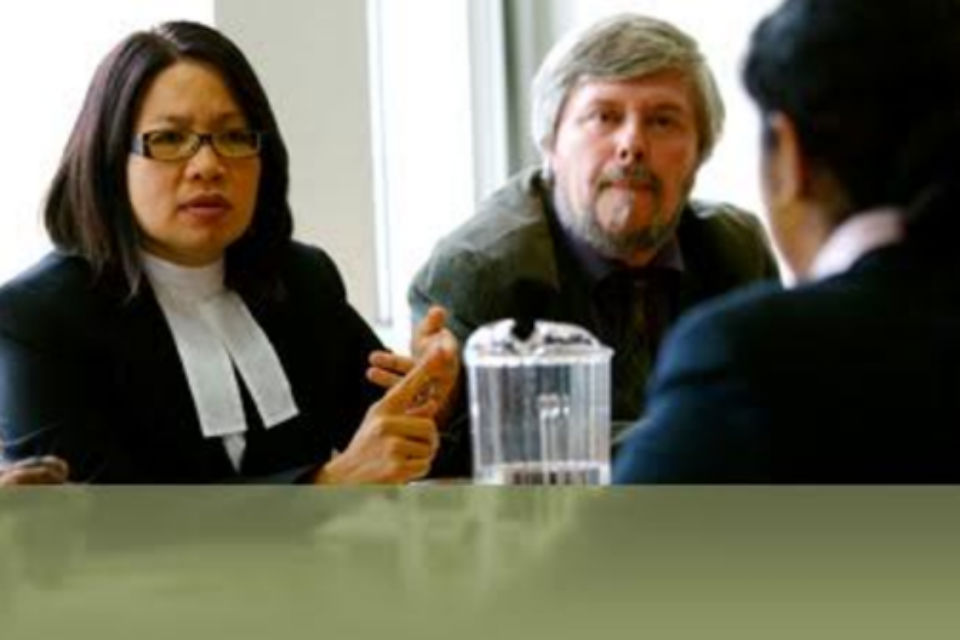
[190, 210]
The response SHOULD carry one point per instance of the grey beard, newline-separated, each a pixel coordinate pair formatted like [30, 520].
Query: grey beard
[619, 246]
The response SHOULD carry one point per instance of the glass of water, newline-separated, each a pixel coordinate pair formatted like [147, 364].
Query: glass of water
[539, 404]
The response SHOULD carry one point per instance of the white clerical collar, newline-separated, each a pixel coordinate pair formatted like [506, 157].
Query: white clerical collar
[854, 238]
[196, 283]
[214, 333]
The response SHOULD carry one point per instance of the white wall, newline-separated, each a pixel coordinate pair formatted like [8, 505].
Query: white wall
[48, 52]
[312, 59]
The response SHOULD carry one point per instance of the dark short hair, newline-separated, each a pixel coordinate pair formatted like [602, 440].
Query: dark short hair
[873, 89]
[88, 211]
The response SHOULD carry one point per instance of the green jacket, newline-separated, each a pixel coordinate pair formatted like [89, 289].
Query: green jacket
[511, 260]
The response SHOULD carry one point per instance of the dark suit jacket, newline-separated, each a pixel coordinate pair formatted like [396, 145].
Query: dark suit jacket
[96, 379]
[855, 378]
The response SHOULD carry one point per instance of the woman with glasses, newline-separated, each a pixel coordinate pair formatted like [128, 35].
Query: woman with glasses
[178, 334]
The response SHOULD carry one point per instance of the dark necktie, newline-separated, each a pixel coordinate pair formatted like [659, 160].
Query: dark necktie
[624, 306]
[638, 311]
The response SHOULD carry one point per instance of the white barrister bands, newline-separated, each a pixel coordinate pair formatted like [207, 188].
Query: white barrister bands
[214, 333]
[235, 444]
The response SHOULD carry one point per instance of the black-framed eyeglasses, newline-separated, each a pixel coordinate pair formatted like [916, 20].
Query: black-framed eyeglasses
[177, 144]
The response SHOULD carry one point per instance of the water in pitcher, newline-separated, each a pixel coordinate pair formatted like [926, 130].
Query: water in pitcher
[539, 405]
[535, 473]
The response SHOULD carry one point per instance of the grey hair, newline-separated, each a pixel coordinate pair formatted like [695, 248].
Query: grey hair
[622, 47]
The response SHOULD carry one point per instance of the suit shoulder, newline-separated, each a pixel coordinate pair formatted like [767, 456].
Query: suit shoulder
[474, 286]
[728, 242]
[57, 280]
[728, 323]
[53, 301]
[761, 325]
[726, 216]
[508, 222]
[308, 267]
[741, 308]
[729, 223]
[509, 236]
[487, 267]
[309, 257]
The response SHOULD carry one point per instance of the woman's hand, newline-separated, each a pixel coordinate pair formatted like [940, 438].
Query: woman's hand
[431, 338]
[33, 471]
[398, 438]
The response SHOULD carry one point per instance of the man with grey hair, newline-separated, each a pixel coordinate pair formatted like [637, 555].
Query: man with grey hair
[602, 234]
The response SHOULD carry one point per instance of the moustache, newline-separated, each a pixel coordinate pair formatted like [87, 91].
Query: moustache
[636, 176]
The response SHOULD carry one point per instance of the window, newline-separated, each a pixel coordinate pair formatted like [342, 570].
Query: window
[422, 137]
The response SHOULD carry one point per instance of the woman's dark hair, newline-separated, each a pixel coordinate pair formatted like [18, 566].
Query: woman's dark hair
[88, 211]
[873, 89]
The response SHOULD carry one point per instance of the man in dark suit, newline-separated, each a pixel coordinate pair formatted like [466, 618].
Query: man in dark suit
[854, 374]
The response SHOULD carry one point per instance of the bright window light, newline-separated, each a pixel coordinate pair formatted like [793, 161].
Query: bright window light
[48, 54]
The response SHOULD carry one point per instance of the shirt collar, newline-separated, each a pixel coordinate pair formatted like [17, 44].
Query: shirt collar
[856, 237]
[195, 283]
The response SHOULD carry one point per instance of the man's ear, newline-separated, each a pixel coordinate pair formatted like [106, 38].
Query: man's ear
[547, 156]
[785, 166]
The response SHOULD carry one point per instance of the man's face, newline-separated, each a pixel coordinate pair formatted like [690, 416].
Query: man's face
[624, 159]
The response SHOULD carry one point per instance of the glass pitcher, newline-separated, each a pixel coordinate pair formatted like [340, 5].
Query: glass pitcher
[539, 404]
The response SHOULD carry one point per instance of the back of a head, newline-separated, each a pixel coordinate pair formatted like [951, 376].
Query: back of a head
[622, 47]
[872, 89]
